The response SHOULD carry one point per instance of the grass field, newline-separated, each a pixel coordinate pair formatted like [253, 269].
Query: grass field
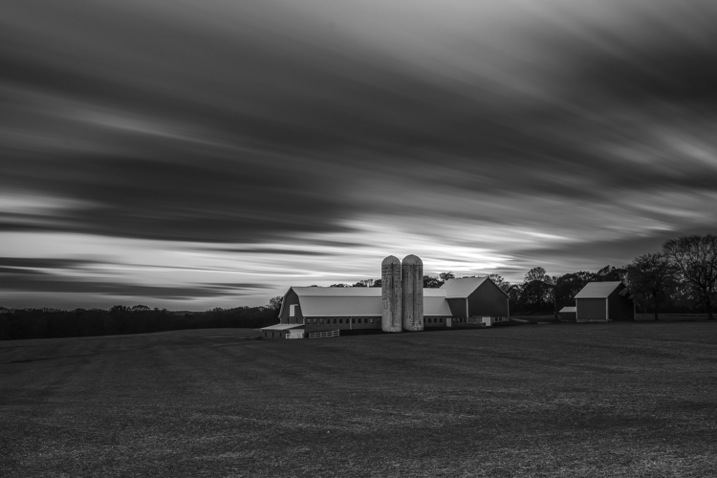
[566, 400]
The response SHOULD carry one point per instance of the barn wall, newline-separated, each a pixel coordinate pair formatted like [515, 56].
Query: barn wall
[488, 301]
[273, 334]
[434, 322]
[621, 308]
[458, 307]
[321, 324]
[289, 299]
[590, 310]
[566, 315]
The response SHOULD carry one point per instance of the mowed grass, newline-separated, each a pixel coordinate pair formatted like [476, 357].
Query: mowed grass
[565, 400]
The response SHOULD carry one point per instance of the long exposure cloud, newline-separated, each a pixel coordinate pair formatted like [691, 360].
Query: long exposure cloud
[285, 137]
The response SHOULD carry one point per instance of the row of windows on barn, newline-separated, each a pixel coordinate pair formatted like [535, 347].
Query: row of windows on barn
[369, 320]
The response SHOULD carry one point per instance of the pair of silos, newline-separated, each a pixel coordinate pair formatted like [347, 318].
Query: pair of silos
[402, 294]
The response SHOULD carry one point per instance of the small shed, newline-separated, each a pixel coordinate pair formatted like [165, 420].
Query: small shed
[283, 331]
[567, 313]
[604, 302]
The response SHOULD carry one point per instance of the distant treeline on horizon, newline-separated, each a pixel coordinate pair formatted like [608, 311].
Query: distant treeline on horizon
[52, 323]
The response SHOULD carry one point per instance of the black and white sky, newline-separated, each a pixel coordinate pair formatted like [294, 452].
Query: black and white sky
[198, 154]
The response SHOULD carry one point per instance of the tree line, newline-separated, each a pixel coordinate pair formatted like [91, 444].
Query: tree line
[120, 319]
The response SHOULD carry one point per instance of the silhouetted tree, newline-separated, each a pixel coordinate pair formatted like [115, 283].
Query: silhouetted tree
[444, 276]
[695, 257]
[648, 276]
[431, 282]
[610, 273]
[275, 302]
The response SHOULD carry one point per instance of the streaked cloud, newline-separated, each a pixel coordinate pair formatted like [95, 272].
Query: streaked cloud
[181, 145]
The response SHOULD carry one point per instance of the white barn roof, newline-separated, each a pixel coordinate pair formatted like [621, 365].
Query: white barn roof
[360, 302]
[598, 290]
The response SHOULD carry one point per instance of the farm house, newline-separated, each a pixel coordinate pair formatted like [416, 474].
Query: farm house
[604, 302]
[401, 304]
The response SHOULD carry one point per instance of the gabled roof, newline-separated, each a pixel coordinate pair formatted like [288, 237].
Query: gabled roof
[462, 288]
[598, 290]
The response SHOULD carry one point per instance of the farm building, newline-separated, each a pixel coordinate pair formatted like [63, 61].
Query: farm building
[567, 313]
[459, 302]
[604, 302]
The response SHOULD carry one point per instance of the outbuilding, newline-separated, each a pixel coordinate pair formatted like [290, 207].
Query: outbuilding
[567, 313]
[604, 302]
[283, 331]
[476, 300]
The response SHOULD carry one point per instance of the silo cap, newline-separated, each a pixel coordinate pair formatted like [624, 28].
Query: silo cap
[391, 260]
[411, 260]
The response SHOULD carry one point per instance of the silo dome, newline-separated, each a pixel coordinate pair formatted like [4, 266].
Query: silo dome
[391, 260]
[411, 260]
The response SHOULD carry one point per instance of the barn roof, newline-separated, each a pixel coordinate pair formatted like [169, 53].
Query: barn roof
[360, 302]
[598, 290]
[435, 305]
[341, 306]
[461, 288]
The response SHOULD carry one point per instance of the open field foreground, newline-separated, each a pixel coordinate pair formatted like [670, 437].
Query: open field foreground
[571, 400]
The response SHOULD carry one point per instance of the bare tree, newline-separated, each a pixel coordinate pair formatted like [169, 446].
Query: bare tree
[648, 276]
[695, 257]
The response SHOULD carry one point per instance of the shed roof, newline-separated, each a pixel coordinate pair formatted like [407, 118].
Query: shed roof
[568, 309]
[282, 327]
[598, 290]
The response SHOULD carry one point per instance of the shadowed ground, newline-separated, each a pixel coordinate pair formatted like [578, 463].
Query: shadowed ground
[625, 400]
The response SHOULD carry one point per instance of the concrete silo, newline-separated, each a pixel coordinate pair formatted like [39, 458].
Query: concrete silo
[412, 281]
[391, 295]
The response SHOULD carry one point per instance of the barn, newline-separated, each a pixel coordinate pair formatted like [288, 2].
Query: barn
[604, 302]
[476, 299]
[320, 310]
